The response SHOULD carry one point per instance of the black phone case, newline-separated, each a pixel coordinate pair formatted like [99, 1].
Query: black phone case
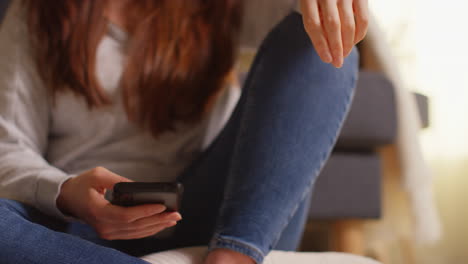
[137, 193]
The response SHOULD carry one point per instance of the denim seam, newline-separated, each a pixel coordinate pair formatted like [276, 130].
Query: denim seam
[291, 215]
[258, 66]
[252, 79]
[243, 247]
[344, 110]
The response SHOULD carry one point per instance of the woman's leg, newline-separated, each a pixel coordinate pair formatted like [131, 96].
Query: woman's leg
[28, 236]
[255, 179]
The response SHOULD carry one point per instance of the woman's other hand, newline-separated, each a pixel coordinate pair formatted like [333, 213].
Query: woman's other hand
[83, 197]
[335, 26]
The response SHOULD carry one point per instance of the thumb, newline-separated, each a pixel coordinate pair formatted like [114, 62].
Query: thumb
[106, 179]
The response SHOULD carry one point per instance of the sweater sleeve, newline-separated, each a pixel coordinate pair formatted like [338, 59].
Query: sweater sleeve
[25, 175]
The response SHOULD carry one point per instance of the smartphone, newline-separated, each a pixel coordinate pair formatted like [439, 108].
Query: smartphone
[137, 193]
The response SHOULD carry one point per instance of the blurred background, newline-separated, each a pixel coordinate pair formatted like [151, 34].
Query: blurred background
[429, 40]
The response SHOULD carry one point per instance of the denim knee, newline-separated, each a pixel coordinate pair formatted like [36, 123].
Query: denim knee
[6, 209]
[288, 54]
[8, 206]
[290, 34]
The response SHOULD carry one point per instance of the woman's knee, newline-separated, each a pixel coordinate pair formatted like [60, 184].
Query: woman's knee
[289, 35]
[288, 56]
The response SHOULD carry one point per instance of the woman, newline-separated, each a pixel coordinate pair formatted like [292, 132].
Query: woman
[98, 92]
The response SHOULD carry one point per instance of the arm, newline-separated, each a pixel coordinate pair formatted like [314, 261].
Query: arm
[26, 176]
[24, 123]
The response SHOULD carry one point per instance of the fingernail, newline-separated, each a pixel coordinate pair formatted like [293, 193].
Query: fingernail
[160, 208]
[338, 63]
[327, 57]
[172, 223]
[175, 216]
[335, 63]
[346, 52]
[178, 216]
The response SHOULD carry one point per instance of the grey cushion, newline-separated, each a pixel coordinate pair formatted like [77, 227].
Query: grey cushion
[348, 187]
[423, 107]
[372, 118]
[3, 7]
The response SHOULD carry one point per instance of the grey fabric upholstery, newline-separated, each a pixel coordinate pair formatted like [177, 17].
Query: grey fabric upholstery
[349, 184]
[423, 107]
[348, 187]
[372, 119]
[3, 7]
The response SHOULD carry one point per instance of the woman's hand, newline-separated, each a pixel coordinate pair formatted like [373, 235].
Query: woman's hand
[335, 26]
[83, 197]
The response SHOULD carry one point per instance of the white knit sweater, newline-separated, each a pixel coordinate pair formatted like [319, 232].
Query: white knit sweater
[42, 145]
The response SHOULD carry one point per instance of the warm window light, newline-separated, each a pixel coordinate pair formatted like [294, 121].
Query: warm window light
[429, 38]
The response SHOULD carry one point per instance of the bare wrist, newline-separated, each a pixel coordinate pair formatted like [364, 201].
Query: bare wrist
[61, 198]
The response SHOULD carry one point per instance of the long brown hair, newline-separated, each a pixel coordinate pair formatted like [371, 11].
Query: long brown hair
[178, 57]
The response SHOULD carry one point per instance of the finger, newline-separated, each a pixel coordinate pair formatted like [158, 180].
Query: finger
[125, 235]
[313, 26]
[361, 16]
[146, 222]
[117, 214]
[348, 26]
[106, 229]
[156, 219]
[331, 21]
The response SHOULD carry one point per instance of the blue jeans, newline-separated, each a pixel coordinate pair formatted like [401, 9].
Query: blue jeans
[250, 190]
